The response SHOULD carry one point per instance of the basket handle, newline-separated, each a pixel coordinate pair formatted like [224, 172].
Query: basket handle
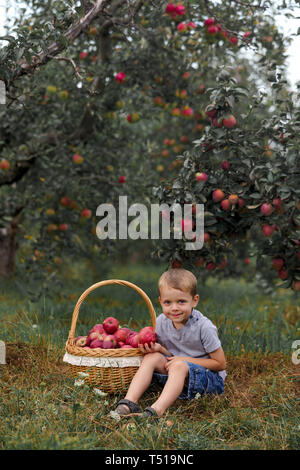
[105, 283]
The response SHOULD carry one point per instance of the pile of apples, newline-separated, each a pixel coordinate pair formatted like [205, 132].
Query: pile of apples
[108, 335]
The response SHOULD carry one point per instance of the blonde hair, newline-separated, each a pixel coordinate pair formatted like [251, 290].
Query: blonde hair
[180, 279]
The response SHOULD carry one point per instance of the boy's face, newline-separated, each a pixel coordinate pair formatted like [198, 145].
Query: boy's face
[177, 305]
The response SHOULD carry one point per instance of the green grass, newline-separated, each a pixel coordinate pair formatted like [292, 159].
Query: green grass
[42, 408]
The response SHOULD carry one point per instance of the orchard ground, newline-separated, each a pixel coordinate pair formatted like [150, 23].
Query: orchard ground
[41, 407]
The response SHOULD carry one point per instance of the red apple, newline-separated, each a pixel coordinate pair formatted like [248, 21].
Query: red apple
[109, 342]
[170, 8]
[225, 204]
[121, 335]
[218, 195]
[209, 21]
[210, 110]
[95, 335]
[216, 123]
[176, 112]
[158, 101]
[86, 213]
[122, 179]
[201, 176]
[120, 77]
[81, 341]
[266, 209]
[126, 346]
[132, 339]
[225, 165]
[4, 164]
[83, 55]
[212, 30]
[210, 266]
[180, 10]
[187, 111]
[233, 199]
[247, 261]
[229, 122]
[97, 343]
[277, 263]
[63, 227]
[77, 159]
[110, 325]
[283, 274]
[98, 327]
[147, 335]
[267, 230]
[182, 27]
[65, 201]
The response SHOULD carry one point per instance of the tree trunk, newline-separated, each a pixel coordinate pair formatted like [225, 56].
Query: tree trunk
[8, 248]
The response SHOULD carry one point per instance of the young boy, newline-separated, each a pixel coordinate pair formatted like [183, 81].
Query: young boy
[187, 357]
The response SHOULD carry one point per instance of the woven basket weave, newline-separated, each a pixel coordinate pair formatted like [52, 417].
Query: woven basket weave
[108, 379]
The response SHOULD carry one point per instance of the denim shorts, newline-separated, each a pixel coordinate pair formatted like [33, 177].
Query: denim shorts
[200, 380]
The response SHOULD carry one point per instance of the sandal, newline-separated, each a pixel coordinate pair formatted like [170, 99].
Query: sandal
[127, 407]
[150, 413]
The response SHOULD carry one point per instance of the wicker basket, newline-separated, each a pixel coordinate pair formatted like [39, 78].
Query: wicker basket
[112, 369]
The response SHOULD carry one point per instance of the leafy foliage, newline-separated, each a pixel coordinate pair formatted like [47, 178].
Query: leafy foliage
[125, 87]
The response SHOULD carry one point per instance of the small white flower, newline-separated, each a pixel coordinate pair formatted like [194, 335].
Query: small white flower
[99, 392]
[83, 374]
[131, 426]
[115, 415]
[79, 382]
[34, 326]
[197, 396]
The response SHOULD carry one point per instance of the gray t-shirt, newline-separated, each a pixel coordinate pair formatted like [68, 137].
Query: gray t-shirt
[197, 338]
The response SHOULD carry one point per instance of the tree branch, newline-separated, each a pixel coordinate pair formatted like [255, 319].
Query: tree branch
[55, 48]
[68, 59]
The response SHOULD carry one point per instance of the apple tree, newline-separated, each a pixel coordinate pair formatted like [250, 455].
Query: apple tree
[115, 97]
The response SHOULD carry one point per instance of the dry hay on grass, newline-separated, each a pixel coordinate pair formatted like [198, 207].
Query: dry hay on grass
[32, 363]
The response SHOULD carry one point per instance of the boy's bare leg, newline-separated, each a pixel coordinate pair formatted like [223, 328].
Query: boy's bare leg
[143, 377]
[178, 371]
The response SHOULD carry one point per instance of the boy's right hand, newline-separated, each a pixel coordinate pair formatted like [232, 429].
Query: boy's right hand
[153, 347]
